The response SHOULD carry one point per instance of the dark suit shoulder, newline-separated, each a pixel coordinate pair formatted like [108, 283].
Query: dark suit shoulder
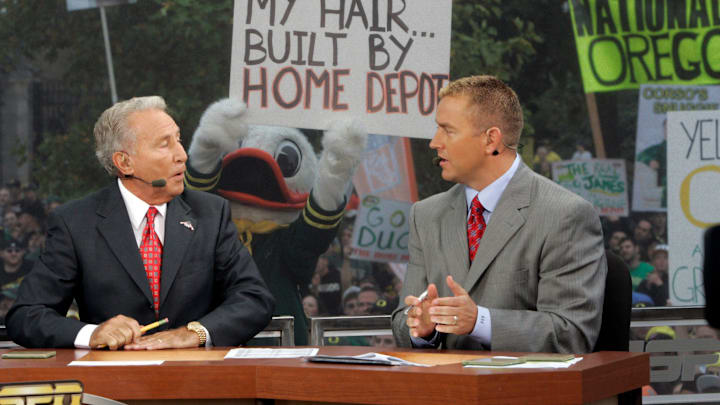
[196, 198]
[86, 204]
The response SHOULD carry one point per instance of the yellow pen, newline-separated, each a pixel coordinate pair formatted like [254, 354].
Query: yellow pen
[145, 329]
[153, 325]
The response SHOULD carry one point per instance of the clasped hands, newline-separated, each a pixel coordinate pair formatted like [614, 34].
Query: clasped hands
[456, 314]
[124, 332]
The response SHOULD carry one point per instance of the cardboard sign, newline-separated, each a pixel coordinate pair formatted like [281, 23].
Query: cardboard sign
[624, 43]
[387, 169]
[600, 181]
[650, 176]
[693, 198]
[305, 63]
[381, 230]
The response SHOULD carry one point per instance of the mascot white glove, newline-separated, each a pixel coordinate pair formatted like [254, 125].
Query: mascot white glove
[219, 132]
[343, 147]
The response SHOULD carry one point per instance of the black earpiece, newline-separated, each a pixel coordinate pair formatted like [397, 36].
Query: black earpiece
[495, 153]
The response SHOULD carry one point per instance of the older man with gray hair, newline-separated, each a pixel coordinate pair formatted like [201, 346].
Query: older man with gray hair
[140, 250]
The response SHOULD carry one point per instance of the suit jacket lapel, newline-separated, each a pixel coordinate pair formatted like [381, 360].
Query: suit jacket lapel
[179, 230]
[454, 234]
[504, 223]
[115, 227]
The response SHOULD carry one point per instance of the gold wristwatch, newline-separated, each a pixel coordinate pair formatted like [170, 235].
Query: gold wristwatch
[198, 328]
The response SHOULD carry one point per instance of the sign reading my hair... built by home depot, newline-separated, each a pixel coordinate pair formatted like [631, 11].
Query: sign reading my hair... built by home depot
[306, 63]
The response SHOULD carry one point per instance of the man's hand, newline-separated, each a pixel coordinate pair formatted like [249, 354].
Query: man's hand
[115, 333]
[455, 314]
[654, 278]
[418, 317]
[171, 339]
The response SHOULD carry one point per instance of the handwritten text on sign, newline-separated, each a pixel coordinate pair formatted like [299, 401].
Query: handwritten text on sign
[693, 156]
[381, 230]
[601, 182]
[303, 63]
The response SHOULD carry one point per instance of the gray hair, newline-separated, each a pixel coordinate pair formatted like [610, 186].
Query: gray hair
[112, 133]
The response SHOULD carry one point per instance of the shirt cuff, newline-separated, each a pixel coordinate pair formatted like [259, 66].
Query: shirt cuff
[82, 340]
[482, 330]
[422, 343]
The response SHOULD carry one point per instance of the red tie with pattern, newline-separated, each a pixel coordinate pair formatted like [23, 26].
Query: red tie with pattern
[151, 251]
[476, 227]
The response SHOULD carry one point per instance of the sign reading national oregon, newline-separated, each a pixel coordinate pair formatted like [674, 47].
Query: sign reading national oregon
[624, 43]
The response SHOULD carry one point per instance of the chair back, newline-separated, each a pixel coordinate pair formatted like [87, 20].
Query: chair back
[615, 327]
[345, 326]
[282, 327]
[711, 269]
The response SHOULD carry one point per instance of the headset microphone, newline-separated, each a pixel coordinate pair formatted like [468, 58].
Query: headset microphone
[157, 183]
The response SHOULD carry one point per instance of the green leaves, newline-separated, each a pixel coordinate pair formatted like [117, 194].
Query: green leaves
[179, 49]
[486, 41]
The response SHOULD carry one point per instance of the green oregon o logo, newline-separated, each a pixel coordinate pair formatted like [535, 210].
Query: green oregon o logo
[685, 195]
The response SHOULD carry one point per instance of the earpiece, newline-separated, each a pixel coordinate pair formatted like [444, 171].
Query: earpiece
[495, 153]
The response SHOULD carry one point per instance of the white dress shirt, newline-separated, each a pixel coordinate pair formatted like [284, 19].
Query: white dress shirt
[488, 197]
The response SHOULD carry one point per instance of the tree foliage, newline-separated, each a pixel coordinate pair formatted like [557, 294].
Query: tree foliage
[178, 49]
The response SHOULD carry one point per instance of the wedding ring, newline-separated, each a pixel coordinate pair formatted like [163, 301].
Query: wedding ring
[455, 319]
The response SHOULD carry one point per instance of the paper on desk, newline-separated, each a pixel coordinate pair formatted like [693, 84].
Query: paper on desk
[534, 364]
[260, 353]
[117, 363]
[396, 361]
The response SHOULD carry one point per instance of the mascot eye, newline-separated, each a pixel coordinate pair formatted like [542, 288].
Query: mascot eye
[288, 157]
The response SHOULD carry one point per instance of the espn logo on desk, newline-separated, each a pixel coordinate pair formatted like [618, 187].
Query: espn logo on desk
[42, 392]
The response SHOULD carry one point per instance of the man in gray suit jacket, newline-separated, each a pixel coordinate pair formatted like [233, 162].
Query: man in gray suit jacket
[205, 282]
[535, 282]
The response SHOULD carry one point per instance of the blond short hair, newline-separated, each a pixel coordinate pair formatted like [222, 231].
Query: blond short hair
[112, 133]
[488, 95]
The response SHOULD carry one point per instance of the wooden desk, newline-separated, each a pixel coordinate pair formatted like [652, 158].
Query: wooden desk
[597, 376]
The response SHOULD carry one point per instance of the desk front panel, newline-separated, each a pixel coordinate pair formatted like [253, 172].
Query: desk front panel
[598, 376]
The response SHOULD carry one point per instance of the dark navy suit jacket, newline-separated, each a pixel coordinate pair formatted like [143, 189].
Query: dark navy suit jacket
[91, 255]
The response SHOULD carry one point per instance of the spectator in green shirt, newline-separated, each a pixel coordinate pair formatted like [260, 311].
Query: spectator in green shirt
[630, 253]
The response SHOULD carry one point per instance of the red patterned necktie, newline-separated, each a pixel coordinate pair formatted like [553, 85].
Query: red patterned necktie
[476, 227]
[151, 251]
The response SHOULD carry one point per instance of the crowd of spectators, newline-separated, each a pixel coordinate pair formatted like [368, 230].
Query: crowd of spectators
[344, 286]
[641, 241]
[22, 235]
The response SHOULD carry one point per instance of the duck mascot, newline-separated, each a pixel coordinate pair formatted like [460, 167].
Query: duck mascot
[286, 202]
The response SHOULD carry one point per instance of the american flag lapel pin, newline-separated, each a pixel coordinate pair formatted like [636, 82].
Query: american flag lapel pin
[188, 225]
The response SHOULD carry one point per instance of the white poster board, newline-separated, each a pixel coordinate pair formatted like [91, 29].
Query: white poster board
[381, 230]
[693, 198]
[600, 181]
[305, 63]
[655, 101]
